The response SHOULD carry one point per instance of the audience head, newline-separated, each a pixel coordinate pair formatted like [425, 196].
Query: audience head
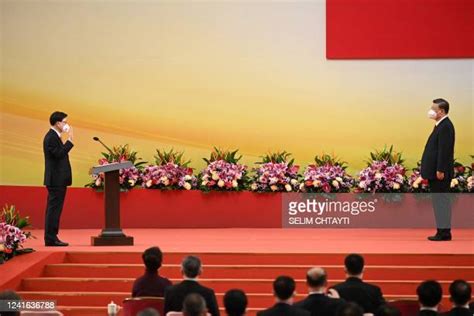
[148, 312]
[9, 295]
[152, 258]
[316, 278]
[194, 305]
[284, 288]
[387, 310]
[350, 309]
[460, 292]
[191, 267]
[354, 264]
[429, 293]
[235, 302]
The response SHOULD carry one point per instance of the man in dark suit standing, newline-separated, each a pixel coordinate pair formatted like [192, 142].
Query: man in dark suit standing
[367, 296]
[284, 291]
[57, 174]
[176, 294]
[437, 166]
[318, 302]
[429, 294]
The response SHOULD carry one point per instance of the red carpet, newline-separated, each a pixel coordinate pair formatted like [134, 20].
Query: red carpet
[84, 279]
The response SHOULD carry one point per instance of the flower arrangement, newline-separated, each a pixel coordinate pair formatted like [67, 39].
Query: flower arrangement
[459, 182]
[326, 175]
[12, 234]
[276, 173]
[223, 172]
[170, 172]
[129, 177]
[385, 173]
[416, 183]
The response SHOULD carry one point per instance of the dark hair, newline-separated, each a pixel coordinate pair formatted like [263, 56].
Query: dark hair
[191, 266]
[149, 312]
[387, 310]
[429, 293]
[57, 117]
[460, 292]
[442, 104]
[194, 305]
[318, 280]
[9, 295]
[235, 302]
[354, 264]
[152, 258]
[284, 287]
[350, 309]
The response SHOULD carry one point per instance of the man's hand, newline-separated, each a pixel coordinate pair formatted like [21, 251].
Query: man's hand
[70, 134]
[332, 293]
[439, 175]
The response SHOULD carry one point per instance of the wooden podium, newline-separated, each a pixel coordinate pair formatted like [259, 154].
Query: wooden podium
[112, 234]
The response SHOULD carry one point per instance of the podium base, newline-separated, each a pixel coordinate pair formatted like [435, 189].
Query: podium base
[112, 241]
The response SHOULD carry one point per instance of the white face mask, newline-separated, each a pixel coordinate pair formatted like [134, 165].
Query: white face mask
[66, 128]
[432, 114]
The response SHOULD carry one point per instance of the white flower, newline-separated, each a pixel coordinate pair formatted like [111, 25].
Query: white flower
[416, 185]
[293, 181]
[335, 184]
[149, 183]
[302, 186]
[234, 183]
[215, 176]
[396, 186]
[454, 182]
[220, 183]
[97, 182]
[339, 179]
[187, 186]
[204, 182]
[288, 187]
[187, 177]
[131, 182]
[316, 183]
[378, 176]
[253, 186]
[166, 182]
[362, 184]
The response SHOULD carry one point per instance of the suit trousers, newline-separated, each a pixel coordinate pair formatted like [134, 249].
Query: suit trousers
[441, 199]
[54, 208]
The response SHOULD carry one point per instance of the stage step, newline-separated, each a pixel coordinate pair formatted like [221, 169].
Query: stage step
[87, 281]
[256, 300]
[261, 271]
[65, 284]
[272, 258]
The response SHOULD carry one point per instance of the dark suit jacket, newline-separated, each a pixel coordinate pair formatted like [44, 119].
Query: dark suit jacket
[57, 171]
[439, 151]
[175, 295]
[283, 309]
[368, 296]
[150, 284]
[320, 305]
[459, 311]
[427, 313]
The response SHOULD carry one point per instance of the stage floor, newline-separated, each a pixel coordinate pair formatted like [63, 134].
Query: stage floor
[269, 240]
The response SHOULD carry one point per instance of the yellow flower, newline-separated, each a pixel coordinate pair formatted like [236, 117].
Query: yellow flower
[273, 187]
[187, 186]
[220, 183]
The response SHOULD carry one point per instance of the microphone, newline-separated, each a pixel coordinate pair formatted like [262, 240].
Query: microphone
[98, 140]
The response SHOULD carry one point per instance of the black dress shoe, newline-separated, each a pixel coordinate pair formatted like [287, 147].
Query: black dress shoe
[57, 243]
[441, 235]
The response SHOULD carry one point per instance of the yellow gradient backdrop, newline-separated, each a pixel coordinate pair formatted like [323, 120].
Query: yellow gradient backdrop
[191, 75]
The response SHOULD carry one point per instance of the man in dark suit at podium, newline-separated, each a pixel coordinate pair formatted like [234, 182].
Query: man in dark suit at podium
[437, 166]
[57, 174]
